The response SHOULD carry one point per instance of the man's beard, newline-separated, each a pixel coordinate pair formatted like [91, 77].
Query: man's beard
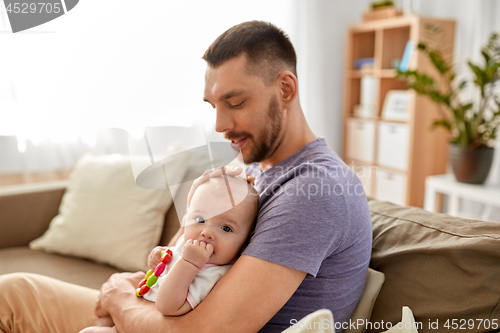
[263, 143]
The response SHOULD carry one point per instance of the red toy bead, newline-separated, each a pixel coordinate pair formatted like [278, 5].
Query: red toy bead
[142, 287]
[143, 282]
[144, 290]
[160, 268]
[166, 258]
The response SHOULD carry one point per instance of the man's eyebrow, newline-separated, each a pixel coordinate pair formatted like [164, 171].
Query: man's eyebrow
[232, 93]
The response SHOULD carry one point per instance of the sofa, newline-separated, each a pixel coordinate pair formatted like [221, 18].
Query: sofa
[446, 269]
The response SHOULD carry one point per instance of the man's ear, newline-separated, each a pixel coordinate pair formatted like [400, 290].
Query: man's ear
[289, 88]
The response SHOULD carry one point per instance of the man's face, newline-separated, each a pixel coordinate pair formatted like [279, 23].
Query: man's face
[248, 112]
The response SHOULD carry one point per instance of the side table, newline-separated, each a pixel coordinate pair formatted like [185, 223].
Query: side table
[436, 186]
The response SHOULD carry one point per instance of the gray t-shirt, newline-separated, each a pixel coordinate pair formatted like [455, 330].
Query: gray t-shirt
[313, 217]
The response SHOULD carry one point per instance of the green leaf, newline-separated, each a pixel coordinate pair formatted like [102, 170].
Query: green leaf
[422, 46]
[485, 56]
[489, 73]
[479, 74]
[467, 107]
[438, 62]
[494, 133]
[462, 85]
[443, 123]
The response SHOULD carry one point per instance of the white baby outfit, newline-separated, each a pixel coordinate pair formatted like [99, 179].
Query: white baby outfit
[204, 281]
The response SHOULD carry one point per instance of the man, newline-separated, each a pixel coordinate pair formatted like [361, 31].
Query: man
[312, 242]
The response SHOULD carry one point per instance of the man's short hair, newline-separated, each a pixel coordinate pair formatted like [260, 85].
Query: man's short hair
[268, 49]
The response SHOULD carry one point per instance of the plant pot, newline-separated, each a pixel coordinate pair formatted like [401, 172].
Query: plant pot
[471, 165]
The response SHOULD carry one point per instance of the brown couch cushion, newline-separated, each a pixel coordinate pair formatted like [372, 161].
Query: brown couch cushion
[78, 271]
[26, 211]
[170, 227]
[440, 266]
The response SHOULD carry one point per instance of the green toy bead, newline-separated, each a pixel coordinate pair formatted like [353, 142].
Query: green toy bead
[151, 281]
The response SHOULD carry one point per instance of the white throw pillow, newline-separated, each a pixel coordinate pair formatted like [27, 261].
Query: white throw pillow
[320, 321]
[363, 311]
[407, 323]
[104, 216]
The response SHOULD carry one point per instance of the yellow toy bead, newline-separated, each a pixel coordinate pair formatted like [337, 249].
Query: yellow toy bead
[148, 274]
[138, 292]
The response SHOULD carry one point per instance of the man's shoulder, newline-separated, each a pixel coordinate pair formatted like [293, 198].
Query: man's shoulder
[320, 170]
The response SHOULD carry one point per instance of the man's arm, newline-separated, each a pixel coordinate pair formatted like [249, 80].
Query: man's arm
[244, 300]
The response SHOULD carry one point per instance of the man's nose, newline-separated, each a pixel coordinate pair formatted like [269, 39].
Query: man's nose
[223, 121]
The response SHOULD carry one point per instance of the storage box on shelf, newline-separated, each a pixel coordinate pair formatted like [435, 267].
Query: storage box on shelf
[402, 153]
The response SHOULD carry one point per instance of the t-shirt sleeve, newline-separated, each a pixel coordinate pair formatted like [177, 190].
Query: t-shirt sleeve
[203, 283]
[300, 224]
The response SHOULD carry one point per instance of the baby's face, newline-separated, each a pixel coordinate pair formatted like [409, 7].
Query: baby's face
[211, 219]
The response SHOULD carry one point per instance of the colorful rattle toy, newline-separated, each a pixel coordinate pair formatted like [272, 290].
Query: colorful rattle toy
[151, 277]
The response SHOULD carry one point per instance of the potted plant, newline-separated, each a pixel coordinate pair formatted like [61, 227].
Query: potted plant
[380, 10]
[472, 124]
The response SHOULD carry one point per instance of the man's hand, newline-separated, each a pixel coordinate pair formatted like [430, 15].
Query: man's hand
[118, 283]
[99, 311]
[197, 252]
[154, 257]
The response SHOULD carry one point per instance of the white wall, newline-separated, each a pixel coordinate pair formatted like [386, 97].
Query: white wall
[322, 27]
[115, 62]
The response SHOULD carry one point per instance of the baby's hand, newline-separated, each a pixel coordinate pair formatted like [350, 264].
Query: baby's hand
[154, 257]
[197, 252]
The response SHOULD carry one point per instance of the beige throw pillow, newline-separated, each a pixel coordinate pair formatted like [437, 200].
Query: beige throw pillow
[320, 321]
[104, 216]
[363, 311]
[407, 323]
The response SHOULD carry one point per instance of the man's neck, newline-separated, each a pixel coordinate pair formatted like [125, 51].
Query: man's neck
[297, 134]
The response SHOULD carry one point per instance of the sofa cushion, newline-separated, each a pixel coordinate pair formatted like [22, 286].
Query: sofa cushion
[19, 225]
[104, 216]
[70, 269]
[320, 321]
[363, 311]
[442, 267]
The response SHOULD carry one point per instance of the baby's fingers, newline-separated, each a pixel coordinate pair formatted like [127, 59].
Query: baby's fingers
[210, 249]
[154, 257]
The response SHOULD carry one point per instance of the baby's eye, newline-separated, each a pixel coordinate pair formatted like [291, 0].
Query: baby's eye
[226, 229]
[199, 219]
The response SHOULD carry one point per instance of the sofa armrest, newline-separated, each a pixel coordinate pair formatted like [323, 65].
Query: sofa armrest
[26, 211]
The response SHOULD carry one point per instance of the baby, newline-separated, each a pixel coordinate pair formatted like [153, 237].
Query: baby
[218, 223]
